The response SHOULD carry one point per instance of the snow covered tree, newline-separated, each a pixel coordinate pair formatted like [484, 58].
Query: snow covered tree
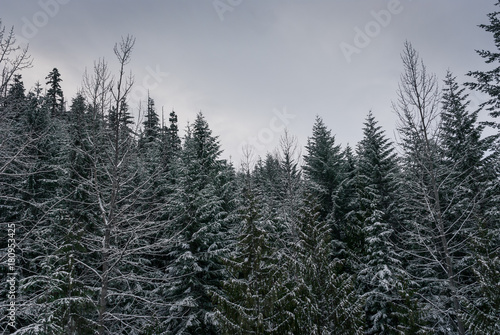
[329, 172]
[380, 266]
[487, 81]
[200, 231]
[43, 272]
[16, 160]
[54, 97]
[327, 299]
[484, 309]
[323, 164]
[13, 58]
[469, 192]
[251, 300]
[433, 241]
[151, 125]
[347, 230]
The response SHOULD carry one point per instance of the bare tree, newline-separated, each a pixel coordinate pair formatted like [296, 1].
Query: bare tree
[418, 111]
[13, 58]
[110, 211]
[97, 89]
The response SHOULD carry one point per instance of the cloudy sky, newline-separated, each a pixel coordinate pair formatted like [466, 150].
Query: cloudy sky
[254, 67]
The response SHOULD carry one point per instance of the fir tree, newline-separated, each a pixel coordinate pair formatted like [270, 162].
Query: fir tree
[380, 267]
[468, 189]
[173, 131]
[250, 299]
[151, 125]
[54, 96]
[200, 232]
[323, 164]
[328, 302]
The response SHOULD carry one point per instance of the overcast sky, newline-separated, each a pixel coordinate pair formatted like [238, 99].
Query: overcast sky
[254, 67]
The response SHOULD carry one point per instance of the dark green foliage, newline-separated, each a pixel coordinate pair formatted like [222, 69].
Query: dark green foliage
[252, 299]
[323, 283]
[54, 96]
[199, 232]
[121, 231]
[381, 269]
[323, 164]
[151, 125]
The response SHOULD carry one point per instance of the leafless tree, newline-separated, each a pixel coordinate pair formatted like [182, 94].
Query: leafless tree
[97, 89]
[13, 58]
[418, 111]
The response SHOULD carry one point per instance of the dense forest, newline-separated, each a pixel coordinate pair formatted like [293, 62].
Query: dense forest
[111, 226]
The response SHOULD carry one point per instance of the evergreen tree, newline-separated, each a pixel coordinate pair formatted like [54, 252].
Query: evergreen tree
[170, 141]
[54, 96]
[251, 298]
[200, 232]
[380, 267]
[173, 132]
[328, 302]
[349, 237]
[151, 125]
[44, 279]
[323, 164]
[433, 241]
[468, 189]
[16, 160]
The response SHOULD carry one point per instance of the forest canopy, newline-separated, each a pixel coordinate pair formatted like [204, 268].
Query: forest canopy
[111, 226]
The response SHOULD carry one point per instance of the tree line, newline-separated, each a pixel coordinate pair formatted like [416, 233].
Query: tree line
[124, 228]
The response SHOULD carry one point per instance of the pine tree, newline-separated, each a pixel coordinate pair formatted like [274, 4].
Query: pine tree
[328, 302]
[16, 159]
[200, 232]
[54, 96]
[170, 141]
[434, 240]
[249, 302]
[380, 268]
[173, 132]
[44, 280]
[151, 125]
[484, 310]
[323, 164]
[467, 190]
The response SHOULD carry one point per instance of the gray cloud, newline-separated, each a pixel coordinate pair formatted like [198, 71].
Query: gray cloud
[263, 55]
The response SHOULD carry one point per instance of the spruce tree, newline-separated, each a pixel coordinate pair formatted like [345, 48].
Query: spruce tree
[487, 250]
[200, 232]
[381, 267]
[469, 191]
[249, 302]
[54, 96]
[327, 299]
[151, 125]
[323, 164]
